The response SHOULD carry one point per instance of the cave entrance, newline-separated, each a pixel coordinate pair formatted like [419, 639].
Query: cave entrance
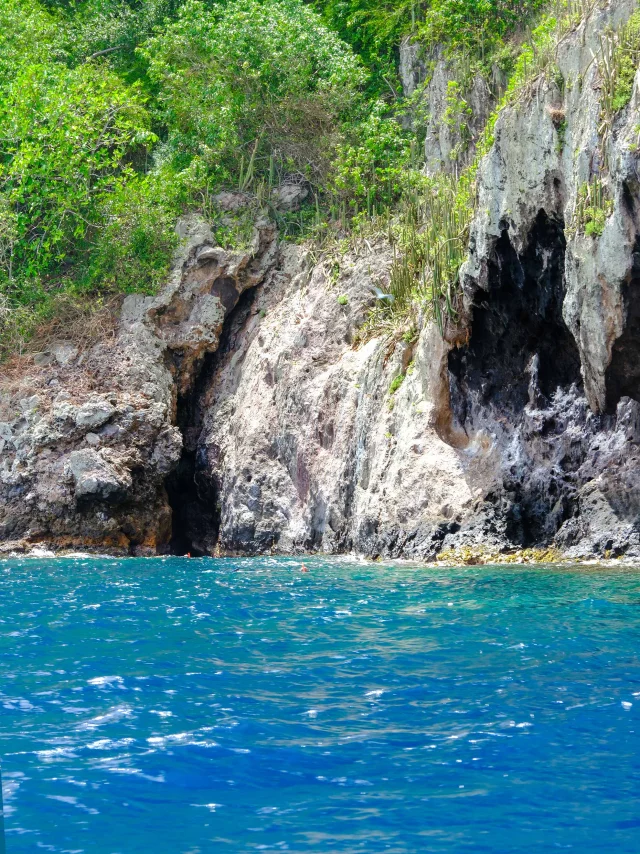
[519, 338]
[192, 488]
[519, 354]
[622, 378]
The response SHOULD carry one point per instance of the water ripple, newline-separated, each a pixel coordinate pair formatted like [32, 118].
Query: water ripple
[176, 705]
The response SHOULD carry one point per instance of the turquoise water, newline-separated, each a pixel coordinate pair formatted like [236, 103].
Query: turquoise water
[175, 705]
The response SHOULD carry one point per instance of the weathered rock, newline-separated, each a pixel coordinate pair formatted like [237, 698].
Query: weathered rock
[94, 477]
[412, 65]
[239, 402]
[299, 430]
[455, 114]
[92, 450]
[232, 201]
[289, 197]
[94, 413]
[64, 353]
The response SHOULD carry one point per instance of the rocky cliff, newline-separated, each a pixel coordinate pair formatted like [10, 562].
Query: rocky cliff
[240, 411]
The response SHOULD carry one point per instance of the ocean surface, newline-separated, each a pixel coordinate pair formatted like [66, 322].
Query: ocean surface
[176, 705]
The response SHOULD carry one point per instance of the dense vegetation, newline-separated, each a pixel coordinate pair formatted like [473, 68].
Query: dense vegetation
[118, 115]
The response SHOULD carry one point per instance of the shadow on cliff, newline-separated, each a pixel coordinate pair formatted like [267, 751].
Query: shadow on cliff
[623, 374]
[513, 382]
[193, 488]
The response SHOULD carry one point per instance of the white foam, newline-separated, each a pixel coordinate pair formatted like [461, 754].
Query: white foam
[115, 714]
[110, 743]
[180, 738]
[105, 680]
[55, 753]
[137, 772]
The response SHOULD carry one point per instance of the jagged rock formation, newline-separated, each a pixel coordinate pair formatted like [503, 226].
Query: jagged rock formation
[237, 412]
[87, 441]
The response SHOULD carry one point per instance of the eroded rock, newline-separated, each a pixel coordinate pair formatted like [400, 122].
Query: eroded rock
[93, 477]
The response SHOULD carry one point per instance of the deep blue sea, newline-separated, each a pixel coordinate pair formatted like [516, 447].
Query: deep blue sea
[184, 706]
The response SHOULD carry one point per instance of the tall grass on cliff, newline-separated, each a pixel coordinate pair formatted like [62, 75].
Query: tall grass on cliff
[430, 232]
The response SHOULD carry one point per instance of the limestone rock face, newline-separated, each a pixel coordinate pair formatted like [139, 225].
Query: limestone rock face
[454, 115]
[305, 445]
[244, 409]
[412, 65]
[519, 429]
[86, 449]
[94, 477]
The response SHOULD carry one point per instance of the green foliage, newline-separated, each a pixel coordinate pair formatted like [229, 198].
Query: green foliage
[473, 29]
[137, 237]
[369, 166]
[343, 299]
[27, 34]
[251, 76]
[396, 382]
[475, 26]
[76, 215]
[593, 208]
[66, 138]
[113, 28]
[374, 29]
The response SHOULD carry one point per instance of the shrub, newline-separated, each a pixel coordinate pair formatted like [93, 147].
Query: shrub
[66, 140]
[247, 75]
[370, 164]
[476, 26]
[374, 29]
[135, 244]
[112, 29]
[396, 382]
[27, 34]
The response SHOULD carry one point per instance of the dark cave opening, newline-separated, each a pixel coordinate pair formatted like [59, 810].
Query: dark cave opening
[518, 337]
[520, 352]
[193, 488]
[622, 377]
